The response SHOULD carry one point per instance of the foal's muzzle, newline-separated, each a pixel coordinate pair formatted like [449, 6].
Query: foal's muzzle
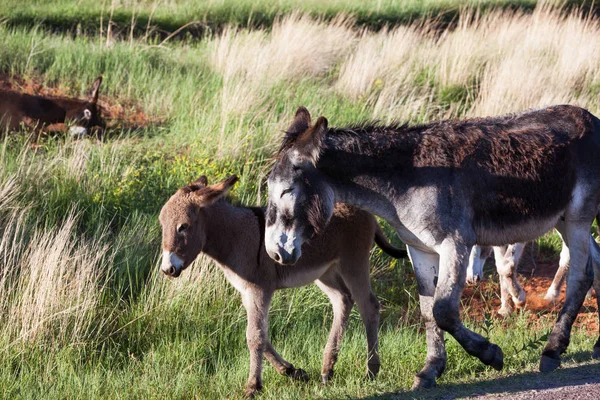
[171, 265]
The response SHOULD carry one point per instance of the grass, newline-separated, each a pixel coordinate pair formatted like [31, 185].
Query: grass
[84, 311]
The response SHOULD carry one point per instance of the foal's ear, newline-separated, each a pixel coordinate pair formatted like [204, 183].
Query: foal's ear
[93, 96]
[211, 194]
[301, 123]
[202, 181]
[308, 145]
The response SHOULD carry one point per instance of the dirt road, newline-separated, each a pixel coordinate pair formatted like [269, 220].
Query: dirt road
[574, 382]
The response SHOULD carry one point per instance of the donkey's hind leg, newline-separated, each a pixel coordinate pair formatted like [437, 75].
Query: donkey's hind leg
[595, 250]
[356, 275]
[282, 366]
[333, 286]
[507, 259]
[575, 232]
[560, 276]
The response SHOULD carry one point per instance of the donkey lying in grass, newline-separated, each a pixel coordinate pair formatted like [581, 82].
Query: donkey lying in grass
[195, 220]
[445, 187]
[37, 112]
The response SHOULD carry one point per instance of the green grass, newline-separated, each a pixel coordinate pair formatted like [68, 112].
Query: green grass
[148, 337]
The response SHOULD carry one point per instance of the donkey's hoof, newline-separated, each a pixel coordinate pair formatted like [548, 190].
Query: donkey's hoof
[494, 357]
[596, 354]
[551, 295]
[299, 374]
[521, 300]
[549, 364]
[504, 312]
[372, 370]
[325, 378]
[423, 382]
[251, 392]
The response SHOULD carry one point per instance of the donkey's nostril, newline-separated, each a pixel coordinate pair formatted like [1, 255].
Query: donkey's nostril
[171, 270]
[276, 257]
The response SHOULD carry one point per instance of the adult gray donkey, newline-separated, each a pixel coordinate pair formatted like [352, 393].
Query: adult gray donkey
[445, 187]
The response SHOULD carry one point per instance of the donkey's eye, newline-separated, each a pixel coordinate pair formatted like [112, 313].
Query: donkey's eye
[182, 228]
[286, 191]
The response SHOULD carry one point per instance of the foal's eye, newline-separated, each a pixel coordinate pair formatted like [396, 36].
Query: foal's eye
[286, 191]
[182, 228]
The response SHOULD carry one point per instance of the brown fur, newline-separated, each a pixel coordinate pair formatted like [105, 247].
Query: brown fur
[195, 220]
[38, 112]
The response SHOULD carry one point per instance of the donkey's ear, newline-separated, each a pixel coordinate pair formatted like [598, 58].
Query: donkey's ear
[308, 145]
[301, 123]
[202, 181]
[93, 96]
[217, 191]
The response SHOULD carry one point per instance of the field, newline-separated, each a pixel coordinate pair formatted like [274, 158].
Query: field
[85, 313]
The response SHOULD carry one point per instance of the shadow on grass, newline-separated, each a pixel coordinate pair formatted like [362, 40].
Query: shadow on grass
[569, 376]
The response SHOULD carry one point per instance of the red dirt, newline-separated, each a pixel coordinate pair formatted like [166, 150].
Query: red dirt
[484, 298]
[122, 115]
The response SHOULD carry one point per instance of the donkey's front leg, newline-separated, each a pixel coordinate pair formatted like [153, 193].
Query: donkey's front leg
[257, 310]
[426, 269]
[453, 263]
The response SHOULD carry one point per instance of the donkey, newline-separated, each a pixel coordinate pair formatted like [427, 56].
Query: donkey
[195, 220]
[37, 112]
[445, 187]
[506, 259]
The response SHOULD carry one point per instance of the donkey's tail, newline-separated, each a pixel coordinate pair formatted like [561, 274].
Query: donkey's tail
[384, 245]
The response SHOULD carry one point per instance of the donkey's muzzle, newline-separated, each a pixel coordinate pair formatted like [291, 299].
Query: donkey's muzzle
[172, 272]
[172, 264]
[283, 257]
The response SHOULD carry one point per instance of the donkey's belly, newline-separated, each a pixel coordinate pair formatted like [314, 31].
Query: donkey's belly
[490, 235]
[292, 276]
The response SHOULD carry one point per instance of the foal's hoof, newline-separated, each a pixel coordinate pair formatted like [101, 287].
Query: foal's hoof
[325, 378]
[423, 382]
[549, 364]
[299, 374]
[494, 357]
[596, 354]
[251, 392]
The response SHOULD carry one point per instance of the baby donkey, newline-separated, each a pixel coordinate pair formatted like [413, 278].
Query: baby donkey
[196, 219]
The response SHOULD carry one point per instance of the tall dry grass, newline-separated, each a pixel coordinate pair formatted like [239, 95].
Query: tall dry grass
[498, 62]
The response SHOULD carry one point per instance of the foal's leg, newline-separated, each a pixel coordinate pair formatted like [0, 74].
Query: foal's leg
[333, 286]
[257, 310]
[575, 232]
[426, 271]
[561, 274]
[282, 366]
[356, 275]
[507, 259]
[453, 264]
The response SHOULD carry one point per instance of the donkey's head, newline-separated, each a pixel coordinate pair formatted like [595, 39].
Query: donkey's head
[85, 114]
[183, 222]
[300, 199]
